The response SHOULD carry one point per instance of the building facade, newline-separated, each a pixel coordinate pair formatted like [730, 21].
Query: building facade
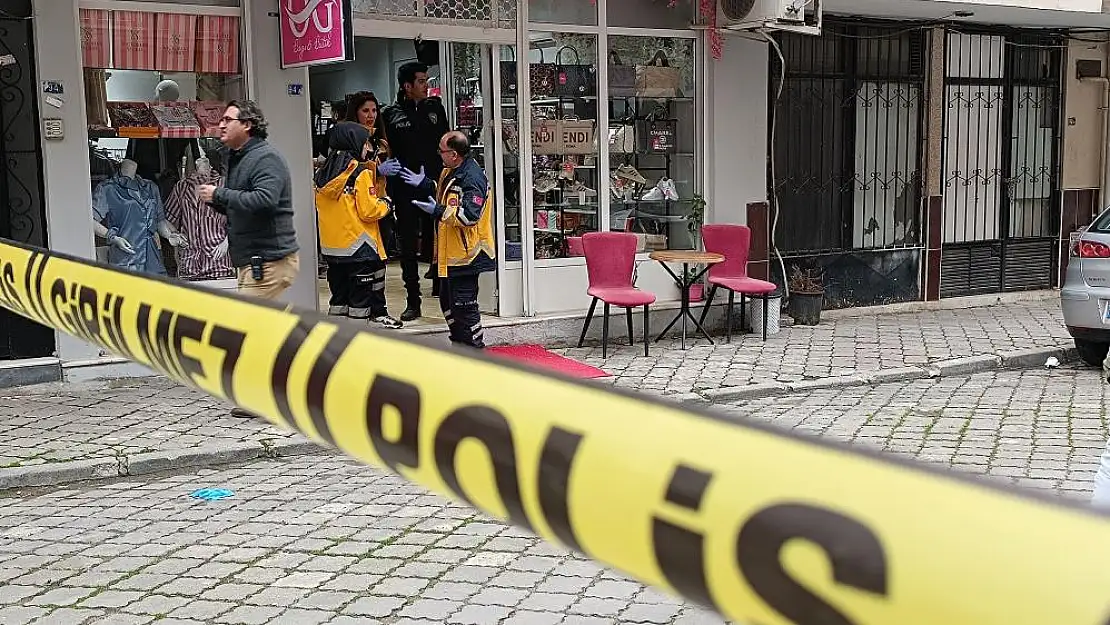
[862, 182]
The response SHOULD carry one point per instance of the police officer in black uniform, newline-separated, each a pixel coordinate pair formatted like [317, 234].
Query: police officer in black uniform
[413, 126]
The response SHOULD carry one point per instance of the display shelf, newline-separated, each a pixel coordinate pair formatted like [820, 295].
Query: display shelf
[642, 214]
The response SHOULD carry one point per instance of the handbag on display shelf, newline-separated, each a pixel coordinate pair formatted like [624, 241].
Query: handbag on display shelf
[541, 78]
[622, 138]
[546, 136]
[577, 136]
[656, 133]
[510, 135]
[574, 80]
[467, 113]
[622, 78]
[658, 79]
[508, 75]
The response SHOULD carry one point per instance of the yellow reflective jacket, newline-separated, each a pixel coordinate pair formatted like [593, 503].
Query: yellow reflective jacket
[348, 209]
[465, 242]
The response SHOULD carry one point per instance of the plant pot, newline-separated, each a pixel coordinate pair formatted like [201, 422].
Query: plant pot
[805, 308]
[697, 292]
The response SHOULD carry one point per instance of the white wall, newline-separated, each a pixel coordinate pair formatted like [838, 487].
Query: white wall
[66, 161]
[737, 130]
[374, 69]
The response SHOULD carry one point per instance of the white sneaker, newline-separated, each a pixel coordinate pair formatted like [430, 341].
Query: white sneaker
[388, 322]
[666, 185]
[580, 188]
[653, 194]
[629, 172]
[545, 183]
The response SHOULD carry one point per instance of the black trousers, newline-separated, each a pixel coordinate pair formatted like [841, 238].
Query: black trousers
[458, 299]
[417, 238]
[357, 288]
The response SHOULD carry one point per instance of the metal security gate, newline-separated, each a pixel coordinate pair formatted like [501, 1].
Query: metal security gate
[22, 215]
[847, 152]
[1001, 155]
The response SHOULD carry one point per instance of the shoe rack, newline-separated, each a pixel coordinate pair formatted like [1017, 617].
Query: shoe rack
[664, 216]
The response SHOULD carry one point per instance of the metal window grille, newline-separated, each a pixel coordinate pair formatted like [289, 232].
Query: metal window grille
[848, 143]
[1001, 161]
[483, 13]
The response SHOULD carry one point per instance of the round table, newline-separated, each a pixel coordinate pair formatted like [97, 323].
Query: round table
[684, 281]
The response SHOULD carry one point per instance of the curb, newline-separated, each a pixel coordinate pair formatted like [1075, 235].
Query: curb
[1016, 359]
[56, 474]
[43, 475]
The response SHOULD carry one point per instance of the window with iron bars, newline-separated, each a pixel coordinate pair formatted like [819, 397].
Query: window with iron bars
[847, 148]
[483, 13]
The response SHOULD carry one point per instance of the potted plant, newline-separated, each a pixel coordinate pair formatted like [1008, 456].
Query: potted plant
[807, 296]
[693, 225]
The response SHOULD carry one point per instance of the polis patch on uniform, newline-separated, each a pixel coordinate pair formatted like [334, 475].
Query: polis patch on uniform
[479, 200]
[433, 117]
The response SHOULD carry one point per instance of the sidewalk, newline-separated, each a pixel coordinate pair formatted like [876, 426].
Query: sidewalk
[59, 433]
[843, 350]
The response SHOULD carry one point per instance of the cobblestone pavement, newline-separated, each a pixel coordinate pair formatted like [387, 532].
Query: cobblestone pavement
[57, 423]
[1038, 428]
[61, 422]
[837, 347]
[318, 539]
[303, 542]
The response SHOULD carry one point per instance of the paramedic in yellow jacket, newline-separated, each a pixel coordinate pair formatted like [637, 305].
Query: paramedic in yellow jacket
[461, 206]
[349, 209]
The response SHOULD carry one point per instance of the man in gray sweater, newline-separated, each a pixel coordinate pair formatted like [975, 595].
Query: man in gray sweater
[257, 197]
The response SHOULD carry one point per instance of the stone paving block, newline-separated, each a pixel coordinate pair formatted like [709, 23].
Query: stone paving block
[249, 615]
[377, 607]
[200, 609]
[479, 615]
[20, 615]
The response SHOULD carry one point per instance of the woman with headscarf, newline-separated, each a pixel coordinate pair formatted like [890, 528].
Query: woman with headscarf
[349, 209]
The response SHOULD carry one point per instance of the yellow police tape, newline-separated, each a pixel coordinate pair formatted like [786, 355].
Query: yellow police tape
[759, 524]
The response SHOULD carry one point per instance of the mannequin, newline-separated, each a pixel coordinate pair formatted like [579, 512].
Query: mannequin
[128, 212]
[206, 257]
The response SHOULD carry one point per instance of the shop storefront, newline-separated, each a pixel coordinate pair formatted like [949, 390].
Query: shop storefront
[131, 94]
[590, 116]
[609, 100]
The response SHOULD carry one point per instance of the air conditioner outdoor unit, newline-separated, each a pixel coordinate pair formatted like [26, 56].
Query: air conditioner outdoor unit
[796, 15]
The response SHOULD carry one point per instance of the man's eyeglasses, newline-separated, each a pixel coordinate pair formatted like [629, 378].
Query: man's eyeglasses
[228, 120]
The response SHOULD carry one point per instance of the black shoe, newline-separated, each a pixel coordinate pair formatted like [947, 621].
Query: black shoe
[243, 414]
[411, 314]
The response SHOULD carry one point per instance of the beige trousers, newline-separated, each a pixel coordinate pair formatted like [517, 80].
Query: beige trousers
[277, 276]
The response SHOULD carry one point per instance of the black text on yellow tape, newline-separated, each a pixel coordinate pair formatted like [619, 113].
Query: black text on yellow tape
[762, 526]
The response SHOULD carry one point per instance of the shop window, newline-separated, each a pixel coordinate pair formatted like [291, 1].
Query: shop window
[652, 131]
[156, 86]
[576, 12]
[650, 14]
[511, 149]
[564, 88]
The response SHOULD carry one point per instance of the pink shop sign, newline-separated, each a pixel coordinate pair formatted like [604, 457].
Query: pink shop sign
[315, 32]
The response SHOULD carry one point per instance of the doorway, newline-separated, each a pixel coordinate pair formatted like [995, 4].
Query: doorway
[1001, 155]
[468, 78]
[22, 212]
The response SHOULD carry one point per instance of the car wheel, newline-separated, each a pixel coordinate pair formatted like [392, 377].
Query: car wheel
[1092, 353]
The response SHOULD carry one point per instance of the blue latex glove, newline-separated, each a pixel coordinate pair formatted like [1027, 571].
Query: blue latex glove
[428, 205]
[390, 167]
[413, 179]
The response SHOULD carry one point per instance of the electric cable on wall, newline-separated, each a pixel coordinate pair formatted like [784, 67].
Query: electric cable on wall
[774, 181]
